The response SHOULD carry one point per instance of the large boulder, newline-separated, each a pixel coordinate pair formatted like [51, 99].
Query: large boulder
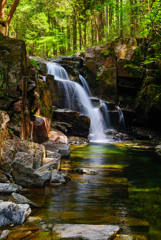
[79, 123]
[24, 174]
[9, 188]
[58, 178]
[26, 150]
[12, 213]
[28, 177]
[60, 148]
[20, 199]
[41, 128]
[57, 136]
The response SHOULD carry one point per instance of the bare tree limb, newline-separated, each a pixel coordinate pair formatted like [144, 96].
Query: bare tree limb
[12, 11]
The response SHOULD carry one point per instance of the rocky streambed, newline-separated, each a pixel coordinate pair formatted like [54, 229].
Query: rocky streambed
[106, 192]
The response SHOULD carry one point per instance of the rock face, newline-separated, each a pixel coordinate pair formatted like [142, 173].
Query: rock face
[77, 124]
[85, 231]
[13, 81]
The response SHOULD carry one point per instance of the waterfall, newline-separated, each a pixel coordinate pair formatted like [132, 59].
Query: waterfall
[122, 125]
[77, 99]
[85, 85]
[107, 120]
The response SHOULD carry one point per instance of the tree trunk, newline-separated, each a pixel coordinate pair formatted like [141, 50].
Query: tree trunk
[132, 26]
[117, 18]
[100, 27]
[106, 21]
[68, 35]
[2, 7]
[80, 37]
[74, 31]
[92, 32]
[85, 34]
[121, 19]
[111, 19]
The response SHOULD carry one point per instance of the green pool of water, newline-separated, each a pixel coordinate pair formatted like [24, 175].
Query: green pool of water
[126, 191]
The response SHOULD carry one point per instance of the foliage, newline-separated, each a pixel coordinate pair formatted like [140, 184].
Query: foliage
[52, 28]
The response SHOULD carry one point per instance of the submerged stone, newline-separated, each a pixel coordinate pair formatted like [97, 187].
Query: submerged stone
[86, 171]
[85, 231]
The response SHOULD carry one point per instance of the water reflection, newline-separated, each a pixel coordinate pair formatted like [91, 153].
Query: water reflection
[126, 190]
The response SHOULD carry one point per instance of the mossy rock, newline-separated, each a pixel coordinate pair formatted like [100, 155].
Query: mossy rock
[134, 71]
[149, 101]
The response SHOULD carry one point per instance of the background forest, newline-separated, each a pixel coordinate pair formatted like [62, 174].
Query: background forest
[53, 27]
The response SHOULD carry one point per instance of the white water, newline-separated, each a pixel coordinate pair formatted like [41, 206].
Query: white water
[122, 125]
[85, 85]
[77, 98]
[107, 120]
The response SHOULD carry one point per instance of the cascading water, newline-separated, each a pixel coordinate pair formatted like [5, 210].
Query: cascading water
[85, 85]
[107, 119]
[77, 99]
[122, 125]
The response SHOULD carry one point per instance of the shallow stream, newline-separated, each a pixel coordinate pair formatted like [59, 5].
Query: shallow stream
[126, 191]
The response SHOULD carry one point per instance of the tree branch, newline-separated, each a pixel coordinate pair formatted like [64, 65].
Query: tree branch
[12, 11]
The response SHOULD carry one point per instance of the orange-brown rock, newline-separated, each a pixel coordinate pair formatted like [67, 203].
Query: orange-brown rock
[41, 128]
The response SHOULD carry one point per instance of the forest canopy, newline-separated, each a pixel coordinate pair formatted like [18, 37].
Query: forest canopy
[54, 27]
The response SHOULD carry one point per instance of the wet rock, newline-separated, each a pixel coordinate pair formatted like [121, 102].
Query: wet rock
[64, 150]
[44, 172]
[19, 199]
[3, 178]
[4, 235]
[57, 136]
[41, 129]
[85, 231]
[9, 188]
[60, 148]
[86, 171]
[58, 177]
[77, 140]
[12, 213]
[80, 123]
